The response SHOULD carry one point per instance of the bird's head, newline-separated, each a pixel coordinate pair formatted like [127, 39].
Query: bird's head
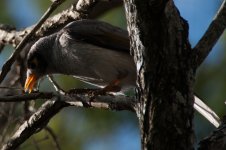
[36, 64]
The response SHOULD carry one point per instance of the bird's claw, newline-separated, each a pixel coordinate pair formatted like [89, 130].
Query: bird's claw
[78, 91]
[93, 93]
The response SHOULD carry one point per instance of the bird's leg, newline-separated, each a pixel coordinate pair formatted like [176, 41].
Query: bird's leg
[113, 86]
[82, 91]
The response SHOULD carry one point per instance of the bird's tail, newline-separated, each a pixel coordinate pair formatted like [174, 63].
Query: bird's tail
[205, 111]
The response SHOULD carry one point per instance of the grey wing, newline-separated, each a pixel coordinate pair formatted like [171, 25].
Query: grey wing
[95, 62]
[98, 33]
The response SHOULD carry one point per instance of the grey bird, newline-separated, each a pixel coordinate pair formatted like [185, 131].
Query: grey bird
[94, 52]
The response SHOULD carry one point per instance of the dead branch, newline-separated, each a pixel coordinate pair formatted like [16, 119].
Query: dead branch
[7, 66]
[56, 85]
[212, 34]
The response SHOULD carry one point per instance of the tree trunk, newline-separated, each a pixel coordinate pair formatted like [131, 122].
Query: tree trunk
[159, 44]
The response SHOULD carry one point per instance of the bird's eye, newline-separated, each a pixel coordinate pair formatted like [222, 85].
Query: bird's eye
[33, 64]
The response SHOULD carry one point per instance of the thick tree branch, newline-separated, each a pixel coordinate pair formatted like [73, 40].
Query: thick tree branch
[159, 43]
[216, 140]
[7, 66]
[212, 34]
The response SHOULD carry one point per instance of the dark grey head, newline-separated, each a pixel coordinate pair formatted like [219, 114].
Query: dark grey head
[38, 60]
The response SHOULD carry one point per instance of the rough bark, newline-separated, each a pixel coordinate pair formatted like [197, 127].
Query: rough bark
[159, 43]
[216, 140]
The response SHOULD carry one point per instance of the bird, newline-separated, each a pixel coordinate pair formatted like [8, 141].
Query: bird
[94, 52]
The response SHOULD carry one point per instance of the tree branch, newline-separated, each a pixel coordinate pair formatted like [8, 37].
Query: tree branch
[56, 85]
[79, 100]
[52, 24]
[212, 34]
[159, 44]
[216, 140]
[26, 97]
[4, 28]
[35, 123]
[40, 118]
[7, 66]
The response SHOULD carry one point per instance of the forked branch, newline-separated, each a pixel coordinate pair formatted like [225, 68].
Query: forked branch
[212, 34]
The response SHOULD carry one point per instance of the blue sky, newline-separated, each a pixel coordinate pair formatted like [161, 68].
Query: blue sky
[199, 14]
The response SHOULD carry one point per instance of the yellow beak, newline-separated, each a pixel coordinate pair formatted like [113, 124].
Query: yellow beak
[30, 82]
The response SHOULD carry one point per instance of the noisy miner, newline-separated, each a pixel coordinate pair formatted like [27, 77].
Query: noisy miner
[94, 52]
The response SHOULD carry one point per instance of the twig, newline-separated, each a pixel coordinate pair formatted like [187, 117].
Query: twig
[54, 137]
[1, 47]
[11, 88]
[56, 85]
[9, 121]
[36, 122]
[206, 111]
[26, 97]
[7, 66]
[212, 34]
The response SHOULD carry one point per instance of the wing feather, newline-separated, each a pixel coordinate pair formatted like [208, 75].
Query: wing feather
[98, 33]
